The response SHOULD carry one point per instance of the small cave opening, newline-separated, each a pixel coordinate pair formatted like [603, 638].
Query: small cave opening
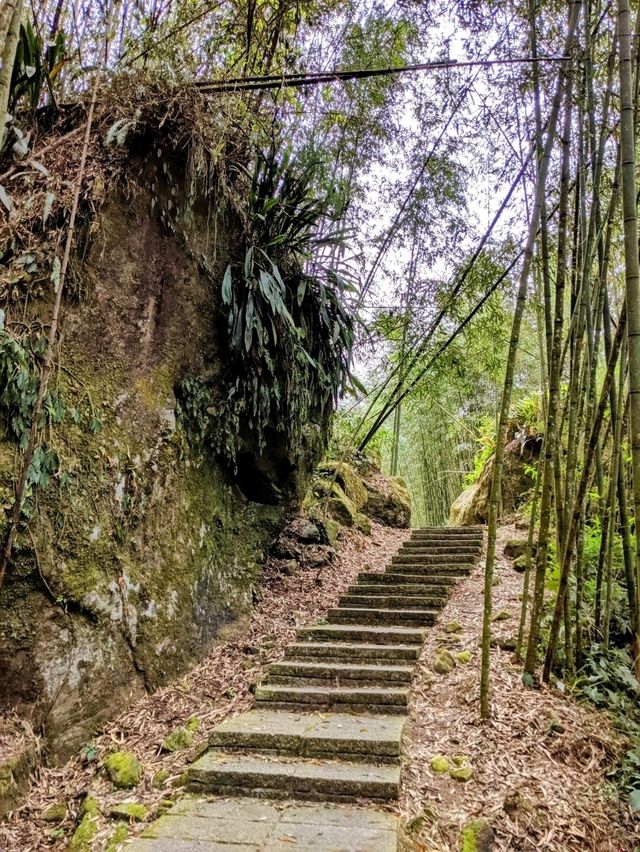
[263, 480]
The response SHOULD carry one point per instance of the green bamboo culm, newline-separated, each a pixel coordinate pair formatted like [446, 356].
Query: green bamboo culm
[632, 282]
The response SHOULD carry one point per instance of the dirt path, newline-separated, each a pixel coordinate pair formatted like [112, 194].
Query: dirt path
[539, 788]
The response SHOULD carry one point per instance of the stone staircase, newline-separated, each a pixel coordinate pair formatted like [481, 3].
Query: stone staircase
[327, 721]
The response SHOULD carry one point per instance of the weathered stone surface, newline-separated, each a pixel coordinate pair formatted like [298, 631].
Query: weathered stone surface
[311, 734]
[246, 824]
[131, 811]
[292, 777]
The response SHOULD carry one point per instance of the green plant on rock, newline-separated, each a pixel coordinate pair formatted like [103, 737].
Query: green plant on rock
[288, 318]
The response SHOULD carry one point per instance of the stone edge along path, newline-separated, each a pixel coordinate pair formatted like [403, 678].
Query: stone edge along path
[311, 764]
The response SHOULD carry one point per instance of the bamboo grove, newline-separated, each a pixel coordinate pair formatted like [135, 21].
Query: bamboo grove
[585, 270]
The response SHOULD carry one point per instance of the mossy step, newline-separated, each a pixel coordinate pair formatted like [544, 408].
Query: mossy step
[337, 674]
[369, 634]
[351, 735]
[373, 699]
[367, 616]
[413, 589]
[247, 825]
[392, 601]
[293, 778]
[362, 652]
[421, 577]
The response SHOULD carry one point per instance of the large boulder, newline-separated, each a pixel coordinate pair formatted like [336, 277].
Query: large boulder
[388, 502]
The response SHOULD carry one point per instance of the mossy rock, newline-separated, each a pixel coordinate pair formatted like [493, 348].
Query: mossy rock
[444, 662]
[117, 838]
[505, 643]
[341, 507]
[180, 781]
[90, 806]
[363, 524]
[439, 764]
[55, 812]
[520, 564]
[460, 759]
[516, 801]
[192, 724]
[503, 615]
[82, 839]
[453, 627]
[124, 769]
[159, 779]
[515, 547]
[463, 657]
[178, 740]
[333, 531]
[476, 836]
[348, 480]
[131, 811]
[462, 773]
[391, 507]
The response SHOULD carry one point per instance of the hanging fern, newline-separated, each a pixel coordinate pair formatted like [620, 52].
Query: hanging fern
[289, 318]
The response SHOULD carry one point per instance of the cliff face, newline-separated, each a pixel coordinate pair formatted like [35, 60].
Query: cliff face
[142, 548]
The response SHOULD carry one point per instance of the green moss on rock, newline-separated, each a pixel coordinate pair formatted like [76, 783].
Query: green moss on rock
[439, 764]
[90, 806]
[503, 615]
[444, 661]
[160, 778]
[453, 627]
[117, 838]
[476, 836]
[462, 773]
[55, 812]
[83, 836]
[463, 656]
[124, 769]
[132, 811]
[178, 740]
[348, 480]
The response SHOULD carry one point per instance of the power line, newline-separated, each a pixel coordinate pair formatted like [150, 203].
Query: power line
[313, 78]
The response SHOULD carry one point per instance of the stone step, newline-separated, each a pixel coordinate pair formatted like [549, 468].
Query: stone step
[196, 824]
[357, 736]
[398, 617]
[438, 551]
[373, 699]
[293, 778]
[476, 529]
[422, 578]
[337, 674]
[363, 633]
[454, 555]
[391, 601]
[444, 544]
[438, 564]
[437, 593]
[426, 570]
[362, 652]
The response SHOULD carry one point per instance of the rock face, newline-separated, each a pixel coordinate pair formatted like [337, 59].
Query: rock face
[141, 551]
[472, 506]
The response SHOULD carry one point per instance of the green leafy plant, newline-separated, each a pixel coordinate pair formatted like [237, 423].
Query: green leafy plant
[288, 317]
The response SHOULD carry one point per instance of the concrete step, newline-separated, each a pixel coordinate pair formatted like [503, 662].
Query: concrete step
[398, 617]
[356, 736]
[437, 593]
[360, 652]
[363, 633]
[422, 578]
[391, 602]
[337, 674]
[426, 571]
[372, 699]
[195, 824]
[293, 778]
